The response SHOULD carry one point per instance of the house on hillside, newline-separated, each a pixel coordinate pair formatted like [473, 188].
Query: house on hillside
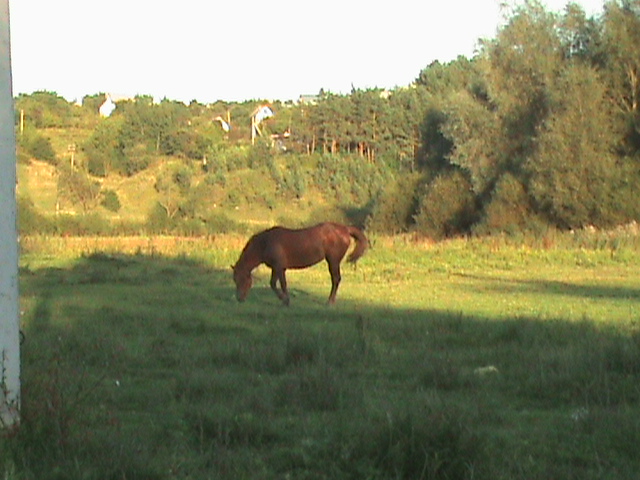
[109, 104]
[257, 117]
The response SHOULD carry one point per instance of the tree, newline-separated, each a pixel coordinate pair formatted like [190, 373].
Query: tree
[407, 109]
[621, 59]
[45, 109]
[92, 103]
[580, 36]
[519, 65]
[172, 184]
[475, 132]
[76, 187]
[440, 79]
[571, 175]
[104, 149]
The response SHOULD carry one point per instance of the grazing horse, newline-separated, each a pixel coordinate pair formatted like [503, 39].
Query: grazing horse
[281, 248]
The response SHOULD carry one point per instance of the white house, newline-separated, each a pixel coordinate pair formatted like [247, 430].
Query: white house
[107, 108]
[109, 105]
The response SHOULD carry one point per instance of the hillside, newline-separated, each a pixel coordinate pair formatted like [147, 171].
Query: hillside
[247, 197]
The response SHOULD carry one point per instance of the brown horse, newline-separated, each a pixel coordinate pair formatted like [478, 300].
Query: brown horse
[281, 248]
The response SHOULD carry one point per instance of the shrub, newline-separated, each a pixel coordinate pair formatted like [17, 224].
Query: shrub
[134, 164]
[38, 146]
[86, 224]
[447, 206]
[220, 223]
[182, 178]
[508, 210]
[394, 207]
[96, 166]
[296, 180]
[110, 201]
[30, 221]
[260, 156]
[624, 205]
[233, 159]
[158, 221]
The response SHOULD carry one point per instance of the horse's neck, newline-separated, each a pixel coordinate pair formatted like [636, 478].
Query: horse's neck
[250, 258]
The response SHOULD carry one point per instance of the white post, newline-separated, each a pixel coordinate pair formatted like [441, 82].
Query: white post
[9, 310]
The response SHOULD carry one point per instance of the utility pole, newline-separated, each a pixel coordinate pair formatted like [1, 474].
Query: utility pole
[9, 312]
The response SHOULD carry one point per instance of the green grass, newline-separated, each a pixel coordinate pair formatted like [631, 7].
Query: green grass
[460, 360]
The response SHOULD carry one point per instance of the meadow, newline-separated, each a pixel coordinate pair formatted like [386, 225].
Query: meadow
[464, 359]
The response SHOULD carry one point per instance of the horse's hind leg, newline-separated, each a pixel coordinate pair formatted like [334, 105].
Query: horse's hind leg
[334, 270]
[278, 275]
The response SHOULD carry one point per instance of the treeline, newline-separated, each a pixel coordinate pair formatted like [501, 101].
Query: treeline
[543, 126]
[540, 128]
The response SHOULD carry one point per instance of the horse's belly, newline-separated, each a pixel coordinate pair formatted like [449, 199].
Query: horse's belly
[304, 261]
[296, 266]
[298, 257]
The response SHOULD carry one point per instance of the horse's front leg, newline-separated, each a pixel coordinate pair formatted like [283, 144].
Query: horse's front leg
[278, 275]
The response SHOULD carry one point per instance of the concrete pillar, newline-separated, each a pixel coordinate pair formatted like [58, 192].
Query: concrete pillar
[9, 306]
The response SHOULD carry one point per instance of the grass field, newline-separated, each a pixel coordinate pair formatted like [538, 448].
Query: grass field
[457, 360]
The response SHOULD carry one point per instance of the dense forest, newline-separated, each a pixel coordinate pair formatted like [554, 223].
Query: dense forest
[540, 129]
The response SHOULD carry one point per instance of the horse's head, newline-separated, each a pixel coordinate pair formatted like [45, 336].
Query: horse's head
[243, 282]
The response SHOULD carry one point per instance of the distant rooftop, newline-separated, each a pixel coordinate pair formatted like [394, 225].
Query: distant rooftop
[308, 99]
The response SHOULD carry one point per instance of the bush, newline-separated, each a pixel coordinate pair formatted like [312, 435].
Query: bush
[30, 221]
[624, 206]
[110, 201]
[158, 221]
[394, 207]
[232, 159]
[296, 180]
[220, 223]
[134, 164]
[96, 166]
[447, 206]
[38, 146]
[260, 156]
[81, 225]
[181, 176]
[508, 210]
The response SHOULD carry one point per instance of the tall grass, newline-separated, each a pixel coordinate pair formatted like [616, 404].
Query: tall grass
[481, 359]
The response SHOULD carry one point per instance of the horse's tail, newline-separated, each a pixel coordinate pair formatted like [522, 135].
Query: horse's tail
[362, 244]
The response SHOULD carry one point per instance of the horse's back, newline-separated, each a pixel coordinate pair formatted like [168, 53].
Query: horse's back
[290, 248]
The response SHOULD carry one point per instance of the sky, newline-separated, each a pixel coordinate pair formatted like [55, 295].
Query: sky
[209, 50]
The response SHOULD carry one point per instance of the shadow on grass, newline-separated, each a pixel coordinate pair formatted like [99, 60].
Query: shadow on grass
[141, 366]
[510, 285]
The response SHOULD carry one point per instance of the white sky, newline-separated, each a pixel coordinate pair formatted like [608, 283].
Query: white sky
[238, 50]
